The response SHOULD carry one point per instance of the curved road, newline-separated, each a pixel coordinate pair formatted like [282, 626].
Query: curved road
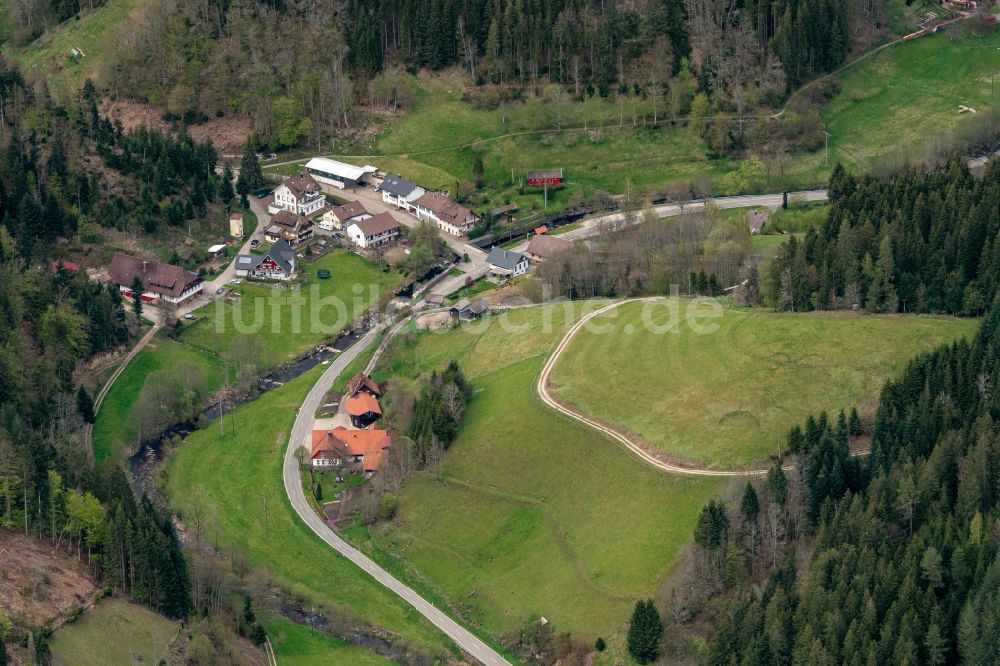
[305, 416]
[296, 495]
[544, 392]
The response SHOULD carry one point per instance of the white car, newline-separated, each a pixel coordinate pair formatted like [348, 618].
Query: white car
[236, 281]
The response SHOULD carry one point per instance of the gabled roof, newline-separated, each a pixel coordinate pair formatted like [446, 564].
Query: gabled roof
[157, 277]
[323, 441]
[397, 186]
[548, 246]
[446, 209]
[480, 305]
[362, 381]
[362, 403]
[505, 259]
[349, 210]
[293, 221]
[377, 224]
[281, 253]
[301, 184]
[370, 443]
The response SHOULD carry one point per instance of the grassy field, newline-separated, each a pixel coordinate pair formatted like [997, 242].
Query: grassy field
[908, 95]
[278, 540]
[295, 645]
[262, 322]
[93, 33]
[113, 633]
[533, 514]
[728, 398]
[114, 432]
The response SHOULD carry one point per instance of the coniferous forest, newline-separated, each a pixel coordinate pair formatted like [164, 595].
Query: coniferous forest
[917, 241]
[886, 559]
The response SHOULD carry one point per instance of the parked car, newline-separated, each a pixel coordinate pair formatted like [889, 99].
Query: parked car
[254, 244]
[323, 274]
[236, 281]
[338, 235]
[190, 317]
[220, 290]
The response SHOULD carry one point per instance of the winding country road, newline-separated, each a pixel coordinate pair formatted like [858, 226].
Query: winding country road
[296, 495]
[544, 389]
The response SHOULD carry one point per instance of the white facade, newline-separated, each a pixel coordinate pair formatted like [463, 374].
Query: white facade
[307, 204]
[447, 227]
[404, 203]
[357, 236]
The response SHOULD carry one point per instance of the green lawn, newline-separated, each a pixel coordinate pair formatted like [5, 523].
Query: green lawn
[261, 325]
[295, 645]
[231, 478]
[535, 515]
[114, 432]
[908, 95]
[727, 398]
[114, 633]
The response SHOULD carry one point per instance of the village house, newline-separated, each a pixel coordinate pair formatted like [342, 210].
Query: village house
[507, 263]
[300, 195]
[346, 450]
[542, 247]
[400, 192]
[362, 383]
[449, 216]
[278, 263]
[363, 408]
[338, 174]
[341, 216]
[236, 225]
[161, 282]
[290, 227]
[374, 231]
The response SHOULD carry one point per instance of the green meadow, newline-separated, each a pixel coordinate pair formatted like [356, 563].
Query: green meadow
[726, 398]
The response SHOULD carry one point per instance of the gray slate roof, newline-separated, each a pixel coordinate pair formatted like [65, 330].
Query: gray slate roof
[281, 252]
[506, 259]
[397, 186]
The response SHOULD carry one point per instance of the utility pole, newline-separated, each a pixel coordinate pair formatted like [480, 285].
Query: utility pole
[263, 498]
[827, 135]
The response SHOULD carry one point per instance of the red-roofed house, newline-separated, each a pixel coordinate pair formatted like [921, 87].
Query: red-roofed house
[363, 409]
[362, 382]
[348, 450]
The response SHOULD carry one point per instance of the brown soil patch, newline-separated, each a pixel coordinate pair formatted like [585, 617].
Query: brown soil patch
[228, 133]
[37, 583]
[434, 321]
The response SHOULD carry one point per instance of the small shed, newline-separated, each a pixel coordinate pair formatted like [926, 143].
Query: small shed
[236, 225]
[217, 251]
[435, 300]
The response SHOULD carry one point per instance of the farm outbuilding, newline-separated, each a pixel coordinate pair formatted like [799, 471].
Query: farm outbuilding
[338, 174]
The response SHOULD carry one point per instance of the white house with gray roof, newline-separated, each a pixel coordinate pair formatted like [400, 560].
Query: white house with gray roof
[507, 263]
[400, 192]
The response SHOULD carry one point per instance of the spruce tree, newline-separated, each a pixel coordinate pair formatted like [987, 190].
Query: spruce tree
[644, 632]
[854, 423]
[84, 405]
[749, 505]
[137, 290]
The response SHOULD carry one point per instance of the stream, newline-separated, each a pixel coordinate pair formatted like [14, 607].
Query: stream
[143, 463]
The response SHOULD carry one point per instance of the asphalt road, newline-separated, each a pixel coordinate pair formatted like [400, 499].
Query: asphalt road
[476, 268]
[296, 495]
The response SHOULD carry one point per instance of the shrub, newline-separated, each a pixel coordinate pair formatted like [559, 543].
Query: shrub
[387, 506]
